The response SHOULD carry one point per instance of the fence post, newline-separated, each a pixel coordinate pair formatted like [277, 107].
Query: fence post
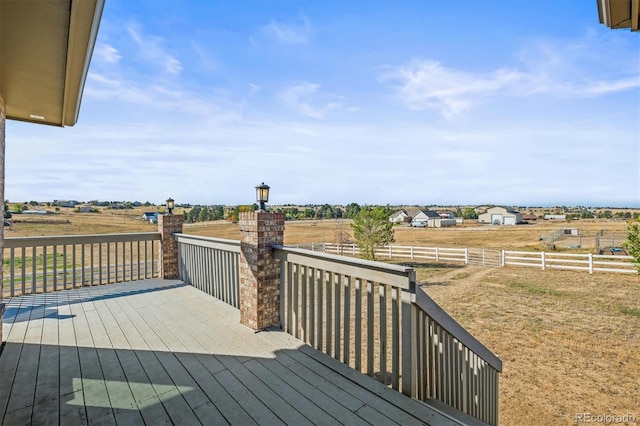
[390, 253]
[543, 259]
[466, 256]
[591, 263]
[411, 252]
[313, 246]
[353, 249]
[437, 255]
[502, 261]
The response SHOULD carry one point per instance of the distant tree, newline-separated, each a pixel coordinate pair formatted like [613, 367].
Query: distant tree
[7, 213]
[351, 210]
[469, 213]
[371, 228]
[308, 213]
[459, 213]
[341, 234]
[633, 241]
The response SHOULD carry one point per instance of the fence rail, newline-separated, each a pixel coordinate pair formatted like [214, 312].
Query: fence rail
[44, 264]
[373, 317]
[493, 258]
[211, 265]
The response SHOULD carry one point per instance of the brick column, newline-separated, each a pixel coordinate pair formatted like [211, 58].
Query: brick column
[259, 271]
[169, 224]
[2, 121]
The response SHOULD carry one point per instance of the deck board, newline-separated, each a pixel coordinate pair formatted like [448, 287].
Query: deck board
[160, 352]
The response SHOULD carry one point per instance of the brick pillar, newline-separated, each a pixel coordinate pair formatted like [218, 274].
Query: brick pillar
[169, 224]
[2, 121]
[259, 271]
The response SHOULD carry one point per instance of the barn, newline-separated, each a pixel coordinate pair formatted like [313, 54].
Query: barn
[499, 215]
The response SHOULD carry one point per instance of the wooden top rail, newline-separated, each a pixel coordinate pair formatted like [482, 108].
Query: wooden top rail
[214, 243]
[398, 276]
[61, 240]
[424, 302]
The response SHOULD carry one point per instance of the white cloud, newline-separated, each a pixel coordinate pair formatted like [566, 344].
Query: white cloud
[305, 98]
[151, 49]
[107, 53]
[558, 69]
[291, 34]
[429, 85]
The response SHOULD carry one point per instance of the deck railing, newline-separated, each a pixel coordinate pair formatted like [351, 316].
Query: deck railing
[211, 265]
[43, 264]
[373, 317]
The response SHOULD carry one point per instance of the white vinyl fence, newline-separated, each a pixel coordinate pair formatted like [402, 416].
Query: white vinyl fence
[492, 258]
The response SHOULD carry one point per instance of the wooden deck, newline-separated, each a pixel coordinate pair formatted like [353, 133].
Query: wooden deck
[160, 352]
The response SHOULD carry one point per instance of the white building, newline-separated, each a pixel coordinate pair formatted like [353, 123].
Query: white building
[498, 215]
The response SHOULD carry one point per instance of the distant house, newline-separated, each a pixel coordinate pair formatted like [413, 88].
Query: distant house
[43, 212]
[87, 209]
[150, 216]
[447, 215]
[555, 217]
[66, 203]
[430, 219]
[499, 215]
[529, 217]
[400, 217]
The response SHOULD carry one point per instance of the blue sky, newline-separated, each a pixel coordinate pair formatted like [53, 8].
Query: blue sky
[376, 102]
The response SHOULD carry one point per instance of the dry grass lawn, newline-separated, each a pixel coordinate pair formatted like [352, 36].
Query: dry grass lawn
[570, 341]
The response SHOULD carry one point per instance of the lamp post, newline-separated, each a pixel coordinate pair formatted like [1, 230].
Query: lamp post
[262, 195]
[170, 204]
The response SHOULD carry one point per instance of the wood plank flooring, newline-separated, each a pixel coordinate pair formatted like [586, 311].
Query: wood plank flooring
[160, 352]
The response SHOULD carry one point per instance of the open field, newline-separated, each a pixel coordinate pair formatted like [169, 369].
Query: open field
[570, 341]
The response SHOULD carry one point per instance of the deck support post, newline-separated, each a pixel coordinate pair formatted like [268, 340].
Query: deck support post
[2, 146]
[168, 225]
[259, 270]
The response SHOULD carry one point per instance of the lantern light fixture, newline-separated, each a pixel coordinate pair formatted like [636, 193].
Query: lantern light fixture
[262, 195]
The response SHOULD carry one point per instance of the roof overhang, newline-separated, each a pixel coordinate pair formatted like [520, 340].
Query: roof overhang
[619, 13]
[45, 51]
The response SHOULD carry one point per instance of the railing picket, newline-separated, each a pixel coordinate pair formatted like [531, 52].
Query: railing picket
[382, 351]
[23, 270]
[358, 325]
[370, 328]
[320, 322]
[44, 269]
[337, 311]
[294, 300]
[395, 337]
[55, 268]
[34, 262]
[347, 321]
[312, 306]
[303, 302]
[329, 317]
[12, 273]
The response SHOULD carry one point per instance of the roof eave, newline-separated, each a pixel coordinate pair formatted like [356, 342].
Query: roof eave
[82, 38]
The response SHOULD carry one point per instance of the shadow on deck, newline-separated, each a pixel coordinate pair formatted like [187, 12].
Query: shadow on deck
[162, 352]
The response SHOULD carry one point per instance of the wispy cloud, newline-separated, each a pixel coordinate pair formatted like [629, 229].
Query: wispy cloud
[152, 49]
[107, 53]
[569, 70]
[429, 85]
[289, 33]
[306, 99]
